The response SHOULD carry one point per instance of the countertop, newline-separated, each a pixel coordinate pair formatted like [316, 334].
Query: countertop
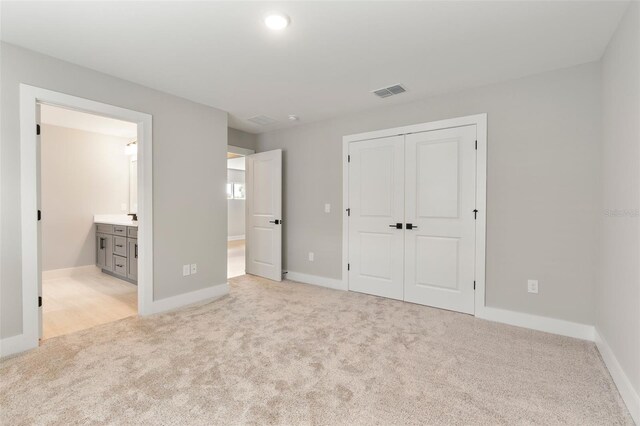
[122, 220]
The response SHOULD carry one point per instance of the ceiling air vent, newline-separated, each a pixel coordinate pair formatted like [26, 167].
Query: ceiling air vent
[262, 120]
[385, 92]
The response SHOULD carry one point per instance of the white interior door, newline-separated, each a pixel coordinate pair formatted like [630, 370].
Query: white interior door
[376, 202]
[39, 202]
[440, 173]
[264, 214]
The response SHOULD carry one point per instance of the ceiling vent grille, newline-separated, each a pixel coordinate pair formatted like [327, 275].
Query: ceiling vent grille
[262, 120]
[385, 92]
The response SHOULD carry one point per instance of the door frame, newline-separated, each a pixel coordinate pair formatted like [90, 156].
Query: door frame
[239, 150]
[30, 96]
[480, 121]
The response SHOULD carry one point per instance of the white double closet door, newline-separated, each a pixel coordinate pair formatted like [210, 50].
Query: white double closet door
[412, 219]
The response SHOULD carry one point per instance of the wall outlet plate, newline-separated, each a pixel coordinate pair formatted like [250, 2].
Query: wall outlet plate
[194, 268]
[532, 286]
[186, 270]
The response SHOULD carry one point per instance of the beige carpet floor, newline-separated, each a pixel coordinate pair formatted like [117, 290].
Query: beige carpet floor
[291, 354]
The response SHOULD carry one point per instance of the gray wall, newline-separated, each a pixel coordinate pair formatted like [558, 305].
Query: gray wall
[83, 174]
[618, 290]
[543, 188]
[189, 175]
[236, 221]
[242, 139]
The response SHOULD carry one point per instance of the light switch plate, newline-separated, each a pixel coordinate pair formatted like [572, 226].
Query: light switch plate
[532, 286]
[186, 270]
[327, 208]
[194, 268]
[311, 256]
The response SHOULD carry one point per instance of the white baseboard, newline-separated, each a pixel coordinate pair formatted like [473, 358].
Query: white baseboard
[629, 394]
[235, 238]
[68, 272]
[540, 323]
[182, 300]
[14, 345]
[316, 280]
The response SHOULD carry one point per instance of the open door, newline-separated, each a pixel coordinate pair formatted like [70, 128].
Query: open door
[264, 214]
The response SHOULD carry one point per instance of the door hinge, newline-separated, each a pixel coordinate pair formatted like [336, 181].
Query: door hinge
[474, 285]
[348, 266]
[39, 215]
[349, 212]
[348, 158]
[39, 301]
[475, 214]
[476, 144]
[38, 129]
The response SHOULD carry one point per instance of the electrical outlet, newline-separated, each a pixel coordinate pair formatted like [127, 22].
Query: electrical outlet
[186, 270]
[327, 208]
[311, 256]
[194, 268]
[532, 286]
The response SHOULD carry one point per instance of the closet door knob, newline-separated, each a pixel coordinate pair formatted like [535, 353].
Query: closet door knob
[411, 226]
[397, 226]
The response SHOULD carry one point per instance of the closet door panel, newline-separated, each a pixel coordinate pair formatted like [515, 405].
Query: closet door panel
[376, 200]
[439, 204]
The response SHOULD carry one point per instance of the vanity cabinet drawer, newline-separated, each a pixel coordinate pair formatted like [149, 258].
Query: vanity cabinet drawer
[120, 265]
[103, 228]
[120, 230]
[132, 231]
[120, 246]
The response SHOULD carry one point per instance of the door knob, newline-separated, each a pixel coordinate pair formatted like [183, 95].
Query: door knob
[397, 226]
[277, 221]
[411, 226]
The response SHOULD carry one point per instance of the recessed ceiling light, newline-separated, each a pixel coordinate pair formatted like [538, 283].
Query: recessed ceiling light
[277, 21]
[293, 117]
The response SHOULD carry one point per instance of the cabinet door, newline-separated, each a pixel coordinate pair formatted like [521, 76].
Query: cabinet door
[104, 251]
[100, 252]
[132, 259]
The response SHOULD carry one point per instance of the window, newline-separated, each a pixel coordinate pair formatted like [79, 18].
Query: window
[238, 191]
[235, 191]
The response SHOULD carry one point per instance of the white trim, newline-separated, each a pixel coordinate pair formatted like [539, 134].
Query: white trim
[240, 151]
[235, 238]
[416, 128]
[629, 395]
[29, 97]
[335, 284]
[480, 121]
[70, 272]
[13, 345]
[536, 322]
[185, 299]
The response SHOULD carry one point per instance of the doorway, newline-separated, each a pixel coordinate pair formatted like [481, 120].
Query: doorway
[88, 191]
[31, 98]
[236, 205]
